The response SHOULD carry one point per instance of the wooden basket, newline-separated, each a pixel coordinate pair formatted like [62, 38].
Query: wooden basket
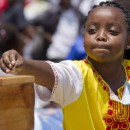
[17, 103]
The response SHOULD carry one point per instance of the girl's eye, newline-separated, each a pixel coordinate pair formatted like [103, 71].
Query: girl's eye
[92, 30]
[114, 32]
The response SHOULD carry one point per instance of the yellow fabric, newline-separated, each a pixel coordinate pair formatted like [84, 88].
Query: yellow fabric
[94, 110]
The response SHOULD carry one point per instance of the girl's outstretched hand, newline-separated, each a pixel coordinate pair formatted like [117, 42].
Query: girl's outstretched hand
[11, 62]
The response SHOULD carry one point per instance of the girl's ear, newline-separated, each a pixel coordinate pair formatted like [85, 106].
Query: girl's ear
[128, 44]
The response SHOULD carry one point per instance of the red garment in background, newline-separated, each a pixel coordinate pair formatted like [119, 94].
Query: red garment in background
[3, 5]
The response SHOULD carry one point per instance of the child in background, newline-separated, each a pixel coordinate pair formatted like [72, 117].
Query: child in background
[94, 93]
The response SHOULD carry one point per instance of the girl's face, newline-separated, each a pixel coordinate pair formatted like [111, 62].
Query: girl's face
[105, 36]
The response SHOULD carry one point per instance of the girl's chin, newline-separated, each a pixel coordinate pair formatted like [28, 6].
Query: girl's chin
[101, 59]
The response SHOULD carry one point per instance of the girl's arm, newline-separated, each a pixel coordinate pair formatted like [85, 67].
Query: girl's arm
[12, 62]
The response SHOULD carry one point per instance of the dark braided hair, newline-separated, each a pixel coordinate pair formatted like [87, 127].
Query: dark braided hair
[126, 13]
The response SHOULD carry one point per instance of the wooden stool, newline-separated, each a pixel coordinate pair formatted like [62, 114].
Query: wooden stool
[16, 103]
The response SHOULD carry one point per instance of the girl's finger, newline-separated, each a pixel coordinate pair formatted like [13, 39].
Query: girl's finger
[4, 68]
[13, 59]
[6, 61]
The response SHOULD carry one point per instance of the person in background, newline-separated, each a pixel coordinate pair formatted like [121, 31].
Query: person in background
[13, 13]
[10, 38]
[67, 30]
[94, 93]
[61, 24]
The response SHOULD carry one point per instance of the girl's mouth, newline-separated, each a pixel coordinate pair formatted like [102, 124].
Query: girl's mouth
[102, 46]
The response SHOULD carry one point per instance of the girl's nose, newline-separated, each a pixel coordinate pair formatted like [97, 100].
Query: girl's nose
[101, 36]
[101, 39]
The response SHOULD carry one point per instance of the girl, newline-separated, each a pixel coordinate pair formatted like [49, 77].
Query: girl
[94, 93]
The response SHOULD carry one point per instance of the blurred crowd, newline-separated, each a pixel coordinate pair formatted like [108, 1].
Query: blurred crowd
[45, 30]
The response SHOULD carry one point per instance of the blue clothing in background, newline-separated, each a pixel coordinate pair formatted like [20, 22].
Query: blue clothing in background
[77, 51]
[48, 119]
